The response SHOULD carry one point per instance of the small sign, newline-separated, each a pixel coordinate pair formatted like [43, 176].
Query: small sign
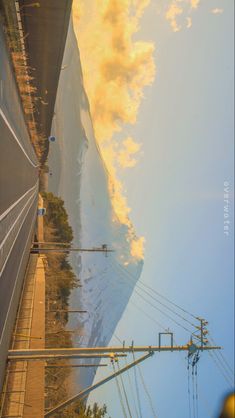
[52, 138]
[41, 211]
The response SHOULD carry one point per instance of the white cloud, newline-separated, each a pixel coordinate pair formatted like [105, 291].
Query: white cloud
[189, 22]
[217, 11]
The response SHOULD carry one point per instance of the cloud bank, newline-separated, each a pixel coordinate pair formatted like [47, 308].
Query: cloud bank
[116, 69]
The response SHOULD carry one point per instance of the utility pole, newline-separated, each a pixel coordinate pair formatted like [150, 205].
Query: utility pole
[198, 343]
[88, 390]
[57, 247]
[65, 311]
[59, 366]
[44, 354]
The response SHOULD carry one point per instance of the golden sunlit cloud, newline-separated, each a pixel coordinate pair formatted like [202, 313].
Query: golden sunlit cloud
[195, 4]
[125, 156]
[180, 11]
[116, 68]
[171, 14]
[217, 11]
[78, 10]
[137, 247]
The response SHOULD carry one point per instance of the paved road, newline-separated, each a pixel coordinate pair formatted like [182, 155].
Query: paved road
[45, 29]
[18, 200]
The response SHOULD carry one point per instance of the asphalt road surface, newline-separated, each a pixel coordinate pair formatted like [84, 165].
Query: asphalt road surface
[18, 200]
[45, 30]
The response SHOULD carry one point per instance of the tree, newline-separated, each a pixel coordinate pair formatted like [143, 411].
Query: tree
[80, 410]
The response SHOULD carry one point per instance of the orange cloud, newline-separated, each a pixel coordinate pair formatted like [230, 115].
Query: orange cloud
[195, 4]
[172, 12]
[125, 156]
[116, 68]
[179, 11]
[137, 247]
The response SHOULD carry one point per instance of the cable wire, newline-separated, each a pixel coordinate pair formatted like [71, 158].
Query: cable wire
[154, 298]
[193, 386]
[124, 391]
[119, 393]
[196, 375]
[168, 316]
[137, 391]
[220, 370]
[158, 293]
[148, 316]
[226, 364]
[228, 374]
[147, 392]
[189, 393]
[224, 367]
[168, 300]
[132, 391]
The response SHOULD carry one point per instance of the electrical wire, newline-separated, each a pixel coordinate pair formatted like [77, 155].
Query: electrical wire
[168, 300]
[137, 392]
[127, 273]
[189, 393]
[160, 295]
[220, 370]
[147, 392]
[148, 316]
[165, 314]
[230, 377]
[222, 362]
[132, 391]
[168, 316]
[196, 375]
[119, 393]
[124, 391]
[193, 386]
[223, 359]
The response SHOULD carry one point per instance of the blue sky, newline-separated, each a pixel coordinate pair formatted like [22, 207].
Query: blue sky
[176, 193]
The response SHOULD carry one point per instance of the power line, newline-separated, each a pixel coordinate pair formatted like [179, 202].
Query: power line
[221, 370]
[193, 386]
[189, 393]
[228, 374]
[124, 391]
[137, 392]
[168, 300]
[158, 293]
[132, 391]
[146, 391]
[167, 315]
[155, 321]
[227, 365]
[196, 390]
[119, 393]
[148, 316]
[154, 298]
[224, 365]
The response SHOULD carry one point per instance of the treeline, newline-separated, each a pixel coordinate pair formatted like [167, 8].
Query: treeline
[60, 281]
[57, 217]
[59, 273]
[80, 410]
